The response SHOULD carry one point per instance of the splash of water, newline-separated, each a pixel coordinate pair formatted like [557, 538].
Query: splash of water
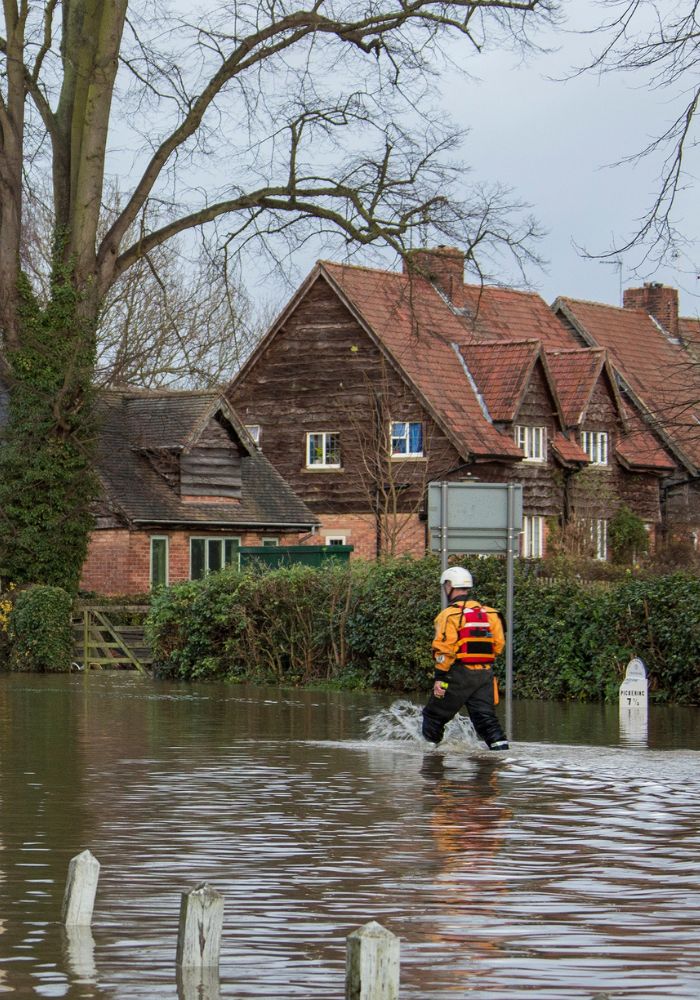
[402, 721]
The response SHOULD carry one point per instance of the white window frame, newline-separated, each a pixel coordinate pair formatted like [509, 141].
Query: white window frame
[532, 537]
[533, 441]
[595, 445]
[270, 543]
[599, 538]
[406, 437]
[335, 540]
[255, 432]
[159, 538]
[215, 538]
[325, 435]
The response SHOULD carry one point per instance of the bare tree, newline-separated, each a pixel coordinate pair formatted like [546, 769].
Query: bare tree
[258, 117]
[657, 42]
[174, 319]
[393, 488]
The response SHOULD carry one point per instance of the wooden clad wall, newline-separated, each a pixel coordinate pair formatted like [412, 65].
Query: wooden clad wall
[213, 466]
[321, 372]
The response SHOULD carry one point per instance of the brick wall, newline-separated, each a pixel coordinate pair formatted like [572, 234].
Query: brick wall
[119, 561]
[360, 531]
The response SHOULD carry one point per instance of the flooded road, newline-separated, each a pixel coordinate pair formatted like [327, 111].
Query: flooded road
[566, 868]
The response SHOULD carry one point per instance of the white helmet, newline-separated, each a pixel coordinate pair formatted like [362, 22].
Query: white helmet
[458, 576]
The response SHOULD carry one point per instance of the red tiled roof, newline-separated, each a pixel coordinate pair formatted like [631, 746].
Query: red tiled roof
[420, 332]
[655, 365]
[501, 371]
[689, 329]
[575, 373]
[568, 450]
[505, 314]
[639, 449]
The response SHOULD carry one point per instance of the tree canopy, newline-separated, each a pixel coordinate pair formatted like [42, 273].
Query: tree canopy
[278, 119]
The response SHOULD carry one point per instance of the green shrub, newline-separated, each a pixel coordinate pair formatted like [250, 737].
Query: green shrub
[627, 536]
[659, 620]
[40, 630]
[371, 624]
[189, 623]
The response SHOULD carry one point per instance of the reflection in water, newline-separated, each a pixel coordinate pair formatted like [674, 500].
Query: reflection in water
[79, 951]
[634, 727]
[198, 984]
[557, 871]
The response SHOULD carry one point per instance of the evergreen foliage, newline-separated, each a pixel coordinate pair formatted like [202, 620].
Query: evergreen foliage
[627, 536]
[47, 482]
[40, 630]
[370, 625]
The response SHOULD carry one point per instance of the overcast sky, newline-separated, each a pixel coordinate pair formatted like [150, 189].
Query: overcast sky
[551, 141]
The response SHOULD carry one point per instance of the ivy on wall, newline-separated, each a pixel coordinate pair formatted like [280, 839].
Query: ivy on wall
[47, 482]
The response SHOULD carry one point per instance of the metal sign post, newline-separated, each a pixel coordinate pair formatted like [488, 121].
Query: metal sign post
[510, 592]
[482, 518]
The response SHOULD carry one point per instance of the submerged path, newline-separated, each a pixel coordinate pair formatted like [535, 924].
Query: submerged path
[555, 870]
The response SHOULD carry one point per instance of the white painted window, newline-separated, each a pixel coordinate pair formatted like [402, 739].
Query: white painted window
[335, 540]
[533, 441]
[323, 450]
[255, 432]
[599, 538]
[208, 555]
[270, 543]
[159, 561]
[595, 445]
[532, 537]
[406, 439]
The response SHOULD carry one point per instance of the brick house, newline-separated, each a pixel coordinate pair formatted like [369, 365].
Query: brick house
[656, 360]
[372, 383]
[183, 487]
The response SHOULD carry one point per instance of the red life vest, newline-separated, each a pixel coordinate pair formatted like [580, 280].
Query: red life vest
[475, 638]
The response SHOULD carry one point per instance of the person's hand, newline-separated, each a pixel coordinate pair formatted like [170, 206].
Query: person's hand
[439, 689]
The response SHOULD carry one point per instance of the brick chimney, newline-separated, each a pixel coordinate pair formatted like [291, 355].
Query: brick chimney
[444, 267]
[658, 300]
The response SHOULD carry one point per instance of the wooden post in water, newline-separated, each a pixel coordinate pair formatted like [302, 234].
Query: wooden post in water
[372, 968]
[201, 923]
[81, 888]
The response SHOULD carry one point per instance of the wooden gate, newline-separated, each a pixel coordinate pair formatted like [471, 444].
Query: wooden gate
[102, 641]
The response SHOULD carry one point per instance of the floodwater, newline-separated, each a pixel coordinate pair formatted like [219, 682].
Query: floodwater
[565, 868]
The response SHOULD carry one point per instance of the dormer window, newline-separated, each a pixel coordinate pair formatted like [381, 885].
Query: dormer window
[595, 445]
[533, 441]
[406, 439]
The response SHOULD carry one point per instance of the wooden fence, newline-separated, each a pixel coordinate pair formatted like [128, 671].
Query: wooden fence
[111, 636]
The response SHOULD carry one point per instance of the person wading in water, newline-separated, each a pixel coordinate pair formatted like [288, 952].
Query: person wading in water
[468, 638]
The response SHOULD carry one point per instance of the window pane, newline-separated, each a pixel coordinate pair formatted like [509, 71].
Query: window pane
[270, 542]
[215, 554]
[332, 449]
[415, 441]
[537, 435]
[231, 552]
[315, 449]
[399, 437]
[159, 562]
[197, 558]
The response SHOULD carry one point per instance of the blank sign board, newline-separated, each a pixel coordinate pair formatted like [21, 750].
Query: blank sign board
[477, 516]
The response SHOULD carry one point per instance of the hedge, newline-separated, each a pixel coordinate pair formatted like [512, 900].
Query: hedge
[39, 630]
[370, 624]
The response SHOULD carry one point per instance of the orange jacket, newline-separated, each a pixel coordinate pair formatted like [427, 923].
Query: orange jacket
[446, 632]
